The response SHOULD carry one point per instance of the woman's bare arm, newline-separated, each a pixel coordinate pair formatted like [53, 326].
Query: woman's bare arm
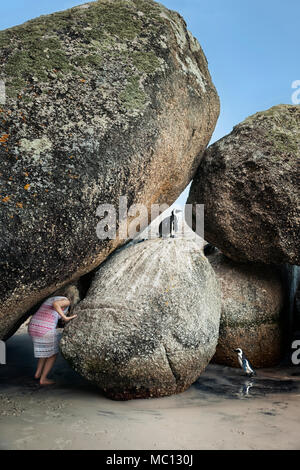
[58, 304]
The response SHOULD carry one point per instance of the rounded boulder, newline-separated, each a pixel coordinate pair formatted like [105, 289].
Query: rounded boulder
[149, 324]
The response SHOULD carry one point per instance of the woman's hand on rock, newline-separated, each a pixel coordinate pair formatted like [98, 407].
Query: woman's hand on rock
[67, 319]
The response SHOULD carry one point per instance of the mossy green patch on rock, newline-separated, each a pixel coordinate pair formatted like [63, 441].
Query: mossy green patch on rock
[38, 47]
[117, 19]
[145, 61]
[35, 60]
[283, 143]
[249, 184]
[92, 94]
[279, 126]
[133, 97]
[150, 9]
[86, 60]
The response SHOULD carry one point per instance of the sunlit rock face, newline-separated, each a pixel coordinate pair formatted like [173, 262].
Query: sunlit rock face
[108, 99]
[149, 324]
[249, 184]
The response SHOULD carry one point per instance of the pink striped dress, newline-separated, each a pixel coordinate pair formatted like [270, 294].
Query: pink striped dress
[42, 328]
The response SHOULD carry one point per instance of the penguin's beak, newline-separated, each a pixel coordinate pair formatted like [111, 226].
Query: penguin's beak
[236, 350]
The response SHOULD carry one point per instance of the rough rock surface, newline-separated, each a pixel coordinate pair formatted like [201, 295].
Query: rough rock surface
[107, 99]
[252, 302]
[149, 324]
[249, 183]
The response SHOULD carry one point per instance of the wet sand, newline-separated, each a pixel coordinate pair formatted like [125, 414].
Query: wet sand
[222, 410]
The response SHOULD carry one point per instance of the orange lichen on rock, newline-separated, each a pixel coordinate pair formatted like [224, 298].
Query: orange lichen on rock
[4, 138]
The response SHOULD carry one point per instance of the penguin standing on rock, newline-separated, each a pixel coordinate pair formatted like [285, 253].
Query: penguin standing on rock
[209, 249]
[169, 226]
[244, 363]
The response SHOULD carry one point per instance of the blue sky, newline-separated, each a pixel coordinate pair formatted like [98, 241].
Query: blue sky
[252, 47]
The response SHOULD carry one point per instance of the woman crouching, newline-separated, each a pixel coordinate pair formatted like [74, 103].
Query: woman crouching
[42, 329]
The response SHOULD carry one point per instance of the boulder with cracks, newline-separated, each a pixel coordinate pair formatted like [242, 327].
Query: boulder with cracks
[149, 324]
[107, 99]
[249, 184]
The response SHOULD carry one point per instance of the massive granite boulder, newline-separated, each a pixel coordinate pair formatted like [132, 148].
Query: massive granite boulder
[251, 318]
[150, 321]
[249, 183]
[111, 98]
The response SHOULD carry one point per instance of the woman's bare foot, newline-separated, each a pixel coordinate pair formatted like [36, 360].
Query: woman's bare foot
[46, 382]
[40, 367]
[46, 369]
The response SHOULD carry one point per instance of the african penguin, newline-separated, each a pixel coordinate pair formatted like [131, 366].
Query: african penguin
[168, 226]
[209, 249]
[244, 363]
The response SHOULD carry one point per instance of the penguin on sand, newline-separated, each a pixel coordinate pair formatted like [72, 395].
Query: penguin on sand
[244, 363]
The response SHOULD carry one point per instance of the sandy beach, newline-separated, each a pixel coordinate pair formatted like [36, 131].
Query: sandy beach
[222, 410]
